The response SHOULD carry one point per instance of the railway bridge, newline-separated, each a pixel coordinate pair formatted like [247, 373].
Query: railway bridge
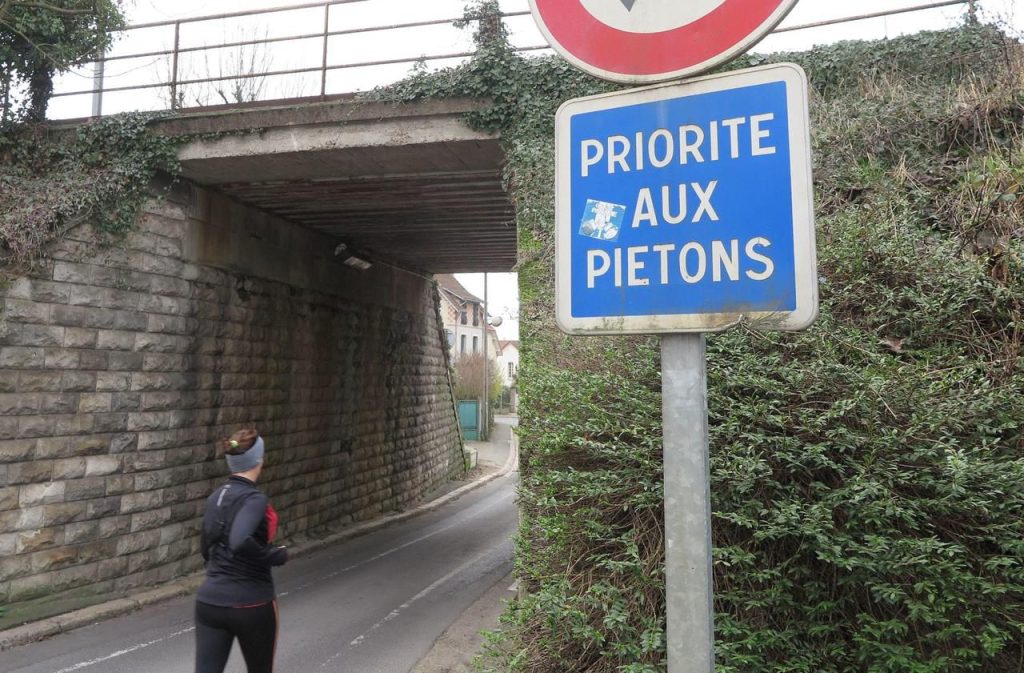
[286, 283]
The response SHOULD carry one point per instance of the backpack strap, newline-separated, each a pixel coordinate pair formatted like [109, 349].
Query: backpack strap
[226, 516]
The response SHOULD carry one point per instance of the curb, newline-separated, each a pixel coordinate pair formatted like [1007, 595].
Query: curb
[33, 631]
[456, 648]
[362, 529]
[46, 628]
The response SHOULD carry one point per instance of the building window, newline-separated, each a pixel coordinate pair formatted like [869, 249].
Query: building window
[476, 316]
[475, 345]
[462, 344]
[511, 369]
[462, 316]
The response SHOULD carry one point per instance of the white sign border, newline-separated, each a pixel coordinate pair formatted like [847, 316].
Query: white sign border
[737, 50]
[804, 249]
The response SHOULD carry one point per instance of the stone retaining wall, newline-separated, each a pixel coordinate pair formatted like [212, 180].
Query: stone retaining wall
[120, 366]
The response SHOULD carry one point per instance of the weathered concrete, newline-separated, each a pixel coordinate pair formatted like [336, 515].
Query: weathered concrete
[120, 366]
[350, 140]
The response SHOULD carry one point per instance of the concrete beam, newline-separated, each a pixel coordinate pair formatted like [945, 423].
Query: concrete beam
[335, 141]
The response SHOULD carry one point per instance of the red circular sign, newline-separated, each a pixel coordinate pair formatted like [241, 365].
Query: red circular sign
[592, 43]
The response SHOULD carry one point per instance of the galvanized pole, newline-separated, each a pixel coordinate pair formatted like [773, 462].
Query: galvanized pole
[323, 64]
[688, 569]
[174, 66]
[97, 89]
[484, 423]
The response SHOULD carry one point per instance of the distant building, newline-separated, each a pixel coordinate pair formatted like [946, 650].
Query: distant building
[509, 363]
[462, 314]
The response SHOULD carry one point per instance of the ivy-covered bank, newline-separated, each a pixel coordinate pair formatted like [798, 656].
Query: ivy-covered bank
[868, 474]
[53, 179]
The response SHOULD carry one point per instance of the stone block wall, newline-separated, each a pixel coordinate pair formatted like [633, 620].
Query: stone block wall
[120, 366]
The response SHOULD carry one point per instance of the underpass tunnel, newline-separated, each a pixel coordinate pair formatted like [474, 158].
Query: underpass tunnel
[356, 208]
[286, 283]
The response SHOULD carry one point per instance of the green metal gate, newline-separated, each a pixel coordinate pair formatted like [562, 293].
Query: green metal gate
[469, 419]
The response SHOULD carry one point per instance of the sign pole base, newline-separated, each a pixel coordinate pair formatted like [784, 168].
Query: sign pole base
[688, 563]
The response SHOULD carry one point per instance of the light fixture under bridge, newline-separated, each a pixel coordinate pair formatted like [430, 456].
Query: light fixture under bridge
[350, 259]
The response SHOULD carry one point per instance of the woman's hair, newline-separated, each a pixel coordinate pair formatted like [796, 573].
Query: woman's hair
[238, 443]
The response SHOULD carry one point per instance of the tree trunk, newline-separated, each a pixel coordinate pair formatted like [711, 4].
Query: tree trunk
[5, 105]
[40, 88]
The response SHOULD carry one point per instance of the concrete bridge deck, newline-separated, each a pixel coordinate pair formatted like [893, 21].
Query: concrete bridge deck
[409, 183]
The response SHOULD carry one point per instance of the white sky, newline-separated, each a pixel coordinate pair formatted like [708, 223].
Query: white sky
[502, 299]
[408, 43]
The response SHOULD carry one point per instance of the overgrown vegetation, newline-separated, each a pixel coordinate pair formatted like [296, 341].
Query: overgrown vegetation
[52, 180]
[867, 474]
[470, 369]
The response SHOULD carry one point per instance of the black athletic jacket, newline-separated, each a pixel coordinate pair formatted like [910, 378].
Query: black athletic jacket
[235, 546]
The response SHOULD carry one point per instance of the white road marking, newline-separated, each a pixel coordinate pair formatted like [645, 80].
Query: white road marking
[460, 522]
[395, 613]
[404, 606]
[120, 653]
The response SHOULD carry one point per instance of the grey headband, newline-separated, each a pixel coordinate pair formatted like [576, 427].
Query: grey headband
[244, 462]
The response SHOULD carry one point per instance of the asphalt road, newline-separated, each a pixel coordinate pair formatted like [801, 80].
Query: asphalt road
[373, 604]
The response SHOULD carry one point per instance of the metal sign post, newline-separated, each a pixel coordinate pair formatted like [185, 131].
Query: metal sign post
[683, 209]
[688, 568]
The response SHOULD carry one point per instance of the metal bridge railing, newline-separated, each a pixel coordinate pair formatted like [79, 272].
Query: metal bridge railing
[171, 86]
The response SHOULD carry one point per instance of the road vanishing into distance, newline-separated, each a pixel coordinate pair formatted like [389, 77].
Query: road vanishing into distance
[372, 604]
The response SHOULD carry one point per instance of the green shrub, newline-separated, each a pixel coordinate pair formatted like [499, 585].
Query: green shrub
[868, 473]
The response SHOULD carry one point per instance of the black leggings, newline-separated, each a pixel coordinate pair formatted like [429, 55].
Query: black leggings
[217, 628]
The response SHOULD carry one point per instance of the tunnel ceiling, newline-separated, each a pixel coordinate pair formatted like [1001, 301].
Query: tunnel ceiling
[410, 184]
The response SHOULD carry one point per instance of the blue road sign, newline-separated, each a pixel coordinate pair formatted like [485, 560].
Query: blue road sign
[687, 207]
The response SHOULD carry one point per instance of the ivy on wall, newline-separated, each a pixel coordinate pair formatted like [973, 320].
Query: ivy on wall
[53, 179]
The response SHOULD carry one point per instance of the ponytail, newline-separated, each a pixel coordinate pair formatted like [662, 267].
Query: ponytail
[239, 442]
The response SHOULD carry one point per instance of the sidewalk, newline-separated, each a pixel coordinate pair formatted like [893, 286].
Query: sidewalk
[496, 458]
[454, 650]
[495, 452]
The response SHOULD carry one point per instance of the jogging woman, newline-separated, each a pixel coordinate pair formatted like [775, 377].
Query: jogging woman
[237, 599]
